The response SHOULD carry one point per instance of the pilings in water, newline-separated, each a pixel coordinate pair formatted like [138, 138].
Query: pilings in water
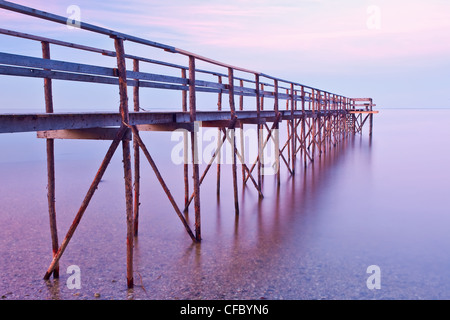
[316, 120]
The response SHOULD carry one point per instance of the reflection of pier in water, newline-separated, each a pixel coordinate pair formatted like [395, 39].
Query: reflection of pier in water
[316, 122]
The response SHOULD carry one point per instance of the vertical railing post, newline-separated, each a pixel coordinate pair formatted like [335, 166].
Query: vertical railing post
[233, 141]
[50, 163]
[194, 147]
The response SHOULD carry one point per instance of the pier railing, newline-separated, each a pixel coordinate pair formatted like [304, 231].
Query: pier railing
[316, 119]
[253, 83]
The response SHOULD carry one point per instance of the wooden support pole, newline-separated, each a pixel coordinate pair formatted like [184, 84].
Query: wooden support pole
[259, 136]
[313, 123]
[185, 145]
[277, 133]
[293, 128]
[263, 145]
[194, 148]
[288, 125]
[50, 145]
[122, 73]
[233, 143]
[371, 120]
[319, 120]
[216, 153]
[303, 135]
[261, 154]
[247, 170]
[241, 133]
[219, 108]
[137, 183]
[87, 199]
[163, 184]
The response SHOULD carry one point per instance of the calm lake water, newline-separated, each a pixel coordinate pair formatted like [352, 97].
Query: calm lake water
[382, 202]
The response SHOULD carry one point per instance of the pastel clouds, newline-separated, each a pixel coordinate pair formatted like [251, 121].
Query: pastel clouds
[311, 27]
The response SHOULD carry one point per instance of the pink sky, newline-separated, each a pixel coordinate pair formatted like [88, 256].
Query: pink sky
[281, 37]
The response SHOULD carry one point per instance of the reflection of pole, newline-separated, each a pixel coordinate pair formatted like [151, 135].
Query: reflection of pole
[192, 110]
[50, 163]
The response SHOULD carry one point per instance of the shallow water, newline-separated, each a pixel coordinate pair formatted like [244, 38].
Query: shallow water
[367, 202]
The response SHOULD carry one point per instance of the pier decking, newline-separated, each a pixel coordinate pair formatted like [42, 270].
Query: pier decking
[315, 119]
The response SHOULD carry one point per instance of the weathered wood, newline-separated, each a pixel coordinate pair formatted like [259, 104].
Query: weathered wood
[86, 201]
[123, 94]
[241, 133]
[136, 151]
[48, 95]
[277, 135]
[215, 154]
[86, 134]
[259, 135]
[219, 153]
[163, 183]
[233, 142]
[194, 148]
[363, 111]
[166, 127]
[293, 129]
[56, 42]
[330, 118]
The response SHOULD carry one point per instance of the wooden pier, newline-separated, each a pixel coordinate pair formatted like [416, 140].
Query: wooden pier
[315, 120]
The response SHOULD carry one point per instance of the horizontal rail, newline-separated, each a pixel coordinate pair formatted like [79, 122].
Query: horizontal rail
[10, 123]
[26, 66]
[100, 30]
[82, 25]
[15, 65]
